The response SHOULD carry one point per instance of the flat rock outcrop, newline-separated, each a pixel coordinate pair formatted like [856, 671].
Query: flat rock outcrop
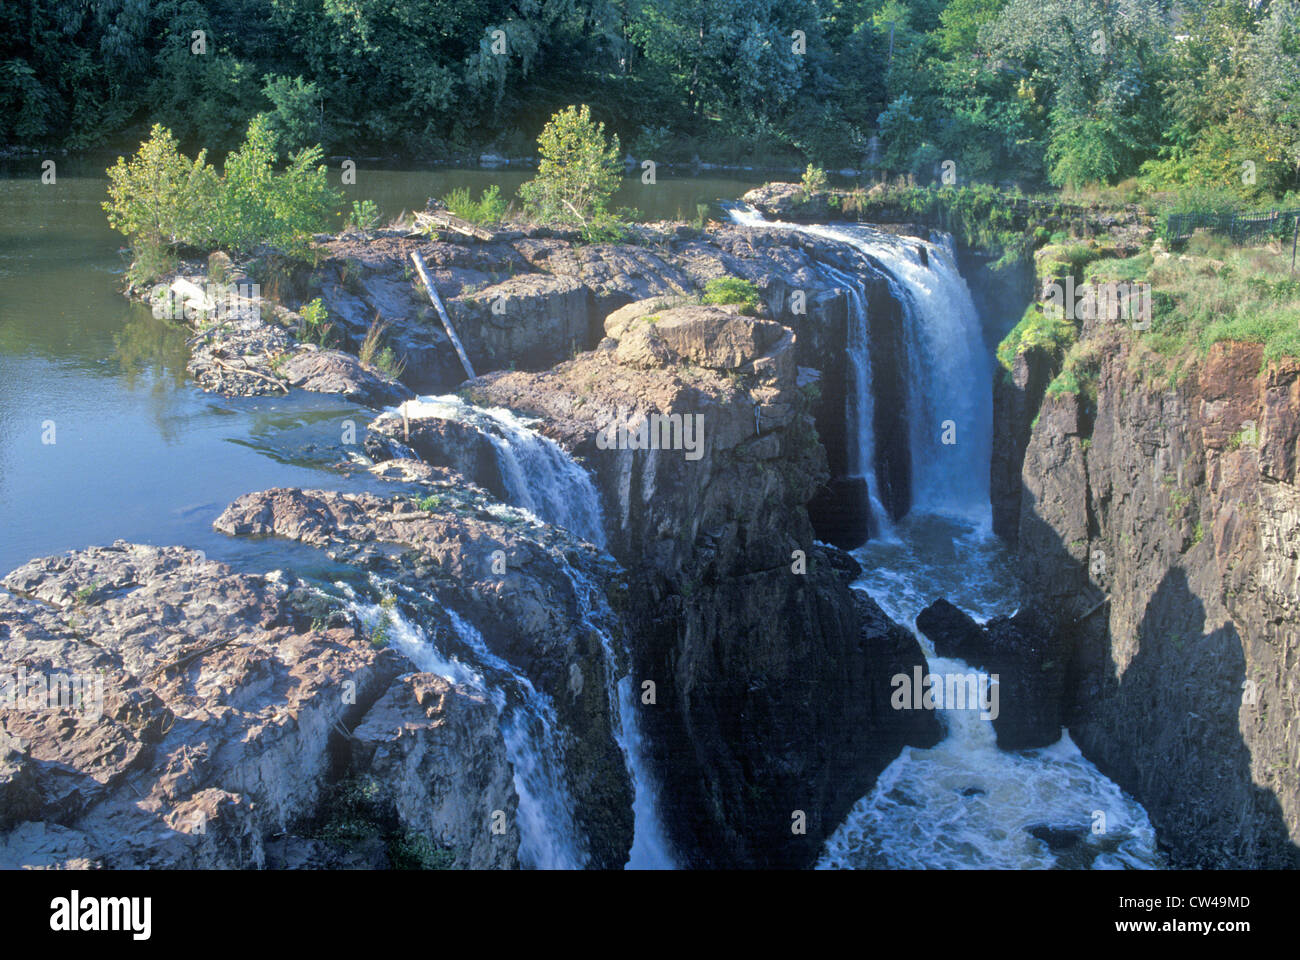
[215, 708]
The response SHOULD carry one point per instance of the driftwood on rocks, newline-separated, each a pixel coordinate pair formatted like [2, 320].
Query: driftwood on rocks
[449, 221]
[442, 313]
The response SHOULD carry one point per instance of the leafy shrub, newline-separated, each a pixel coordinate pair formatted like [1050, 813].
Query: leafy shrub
[490, 207]
[814, 181]
[295, 119]
[733, 290]
[161, 200]
[578, 173]
[365, 215]
[316, 327]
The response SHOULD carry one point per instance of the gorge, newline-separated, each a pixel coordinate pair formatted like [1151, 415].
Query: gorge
[477, 635]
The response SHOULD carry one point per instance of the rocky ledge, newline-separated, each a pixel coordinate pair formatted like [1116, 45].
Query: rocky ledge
[219, 715]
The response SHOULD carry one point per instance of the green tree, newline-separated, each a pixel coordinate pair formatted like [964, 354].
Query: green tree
[578, 172]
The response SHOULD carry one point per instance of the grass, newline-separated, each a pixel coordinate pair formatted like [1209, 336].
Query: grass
[489, 208]
[1215, 292]
[1037, 329]
[374, 354]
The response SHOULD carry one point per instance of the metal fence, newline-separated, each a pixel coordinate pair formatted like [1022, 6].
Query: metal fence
[1240, 227]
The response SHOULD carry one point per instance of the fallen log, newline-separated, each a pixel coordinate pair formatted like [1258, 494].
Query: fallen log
[442, 313]
[450, 221]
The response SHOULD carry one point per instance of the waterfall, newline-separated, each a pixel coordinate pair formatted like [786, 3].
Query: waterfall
[963, 803]
[540, 476]
[544, 480]
[950, 375]
[548, 837]
[650, 847]
[862, 402]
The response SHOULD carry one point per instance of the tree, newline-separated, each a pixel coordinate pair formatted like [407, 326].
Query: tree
[578, 173]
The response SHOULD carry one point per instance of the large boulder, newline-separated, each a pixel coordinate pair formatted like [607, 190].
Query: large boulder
[440, 442]
[707, 336]
[1028, 655]
[333, 371]
[530, 321]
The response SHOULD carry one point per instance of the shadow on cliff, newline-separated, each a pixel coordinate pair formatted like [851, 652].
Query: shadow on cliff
[1165, 727]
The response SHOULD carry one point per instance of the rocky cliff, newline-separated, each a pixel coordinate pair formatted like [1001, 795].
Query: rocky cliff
[1160, 523]
[770, 674]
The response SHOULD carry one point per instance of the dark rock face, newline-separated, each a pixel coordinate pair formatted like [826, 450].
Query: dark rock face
[889, 380]
[441, 443]
[1017, 397]
[772, 674]
[1183, 509]
[953, 632]
[840, 512]
[213, 715]
[1025, 653]
[531, 320]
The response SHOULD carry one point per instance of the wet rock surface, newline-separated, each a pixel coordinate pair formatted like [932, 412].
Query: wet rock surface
[772, 673]
[1027, 655]
[535, 594]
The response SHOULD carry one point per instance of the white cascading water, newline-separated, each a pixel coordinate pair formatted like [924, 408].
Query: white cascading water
[963, 803]
[650, 847]
[543, 480]
[548, 837]
[862, 402]
[949, 408]
[540, 476]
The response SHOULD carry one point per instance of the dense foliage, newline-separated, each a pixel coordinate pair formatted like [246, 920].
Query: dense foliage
[161, 200]
[1192, 94]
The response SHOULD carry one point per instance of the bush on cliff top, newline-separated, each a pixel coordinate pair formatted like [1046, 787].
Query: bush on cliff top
[577, 175]
[162, 200]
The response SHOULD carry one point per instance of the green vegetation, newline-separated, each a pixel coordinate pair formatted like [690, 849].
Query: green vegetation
[1146, 96]
[162, 200]
[577, 176]
[381, 632]
[365, 215]
[430, 503]
[489, 208]
[1217, 292]
[357, 815]
[814, 181]
[1040, 330]
[732, 290]
[374, 352]
[316, 327]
